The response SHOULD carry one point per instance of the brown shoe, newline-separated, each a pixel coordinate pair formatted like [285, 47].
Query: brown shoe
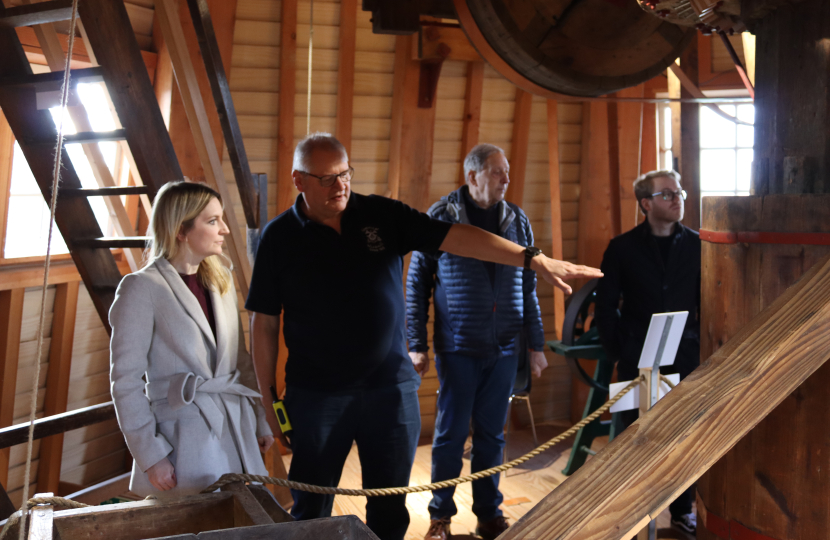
[489, 530]
[439, 529]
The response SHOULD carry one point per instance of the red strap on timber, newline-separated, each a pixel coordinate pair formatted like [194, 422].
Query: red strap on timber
[810, 239]
[726, 529]
[716, 525]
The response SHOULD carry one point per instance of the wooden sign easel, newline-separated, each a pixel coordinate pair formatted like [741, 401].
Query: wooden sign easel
[660, 349]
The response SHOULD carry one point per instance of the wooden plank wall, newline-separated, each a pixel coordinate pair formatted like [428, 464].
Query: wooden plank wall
[97, 452]
[25, 372]
[89, 454]
[372, 106]
[550, 395]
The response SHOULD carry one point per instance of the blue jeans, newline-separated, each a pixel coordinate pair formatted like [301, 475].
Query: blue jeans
[385, 423]
[477, 389]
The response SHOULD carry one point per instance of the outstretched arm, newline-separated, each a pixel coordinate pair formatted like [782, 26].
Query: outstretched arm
[469, 241]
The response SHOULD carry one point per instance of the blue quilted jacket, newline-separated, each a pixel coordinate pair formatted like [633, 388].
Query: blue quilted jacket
[473, 317]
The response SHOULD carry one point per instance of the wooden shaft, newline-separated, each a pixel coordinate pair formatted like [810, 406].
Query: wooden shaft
[59, 423]
[647, 466]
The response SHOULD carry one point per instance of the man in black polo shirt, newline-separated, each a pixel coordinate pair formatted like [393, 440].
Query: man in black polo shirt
[655, 268]
[334, 264]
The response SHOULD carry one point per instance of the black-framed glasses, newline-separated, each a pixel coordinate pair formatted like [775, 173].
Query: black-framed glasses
[670, 195]
[329, 179]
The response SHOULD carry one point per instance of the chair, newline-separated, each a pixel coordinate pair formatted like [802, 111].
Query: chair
[521, 391]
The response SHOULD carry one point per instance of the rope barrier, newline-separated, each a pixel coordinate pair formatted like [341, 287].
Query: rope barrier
[381, 492]
[667, 381]
[56, 173]
[230, 478]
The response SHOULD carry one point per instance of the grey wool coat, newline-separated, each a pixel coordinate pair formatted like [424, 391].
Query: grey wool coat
[205, 421]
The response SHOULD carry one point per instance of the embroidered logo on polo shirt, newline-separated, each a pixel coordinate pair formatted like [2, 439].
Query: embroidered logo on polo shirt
[373, 241]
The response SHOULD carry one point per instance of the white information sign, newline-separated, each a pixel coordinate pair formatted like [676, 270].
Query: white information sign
[663, 338]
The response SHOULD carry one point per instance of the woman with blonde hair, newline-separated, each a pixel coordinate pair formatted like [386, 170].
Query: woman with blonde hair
[183, 384]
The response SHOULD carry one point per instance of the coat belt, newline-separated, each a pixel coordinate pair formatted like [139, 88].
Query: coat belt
[185, 388]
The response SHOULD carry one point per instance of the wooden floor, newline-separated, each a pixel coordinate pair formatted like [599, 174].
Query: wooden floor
[522, 487]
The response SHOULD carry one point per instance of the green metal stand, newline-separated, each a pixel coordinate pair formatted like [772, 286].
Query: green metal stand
[588, 347]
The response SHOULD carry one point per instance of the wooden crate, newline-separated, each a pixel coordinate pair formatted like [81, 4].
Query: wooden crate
[237, 512]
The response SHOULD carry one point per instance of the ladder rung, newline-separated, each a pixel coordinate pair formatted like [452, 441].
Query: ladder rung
[52, 80]
[105, 191]
[107, 242]
[40, 13]
[95, 136]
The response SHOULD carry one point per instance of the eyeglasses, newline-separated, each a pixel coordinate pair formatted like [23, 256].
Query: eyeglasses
[329, 179]
[669, 195]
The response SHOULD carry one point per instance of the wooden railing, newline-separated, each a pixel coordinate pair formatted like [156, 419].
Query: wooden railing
[646, 467]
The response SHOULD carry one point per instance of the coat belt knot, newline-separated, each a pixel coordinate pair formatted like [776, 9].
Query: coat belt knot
[187, 388]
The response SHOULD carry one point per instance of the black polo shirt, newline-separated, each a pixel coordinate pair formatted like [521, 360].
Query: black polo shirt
[342, 294]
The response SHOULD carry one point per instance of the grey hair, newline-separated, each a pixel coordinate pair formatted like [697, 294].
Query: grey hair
[644, 184]
[477, 157]
[316, 141]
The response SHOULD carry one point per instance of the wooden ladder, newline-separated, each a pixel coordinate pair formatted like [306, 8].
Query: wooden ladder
[122, 69]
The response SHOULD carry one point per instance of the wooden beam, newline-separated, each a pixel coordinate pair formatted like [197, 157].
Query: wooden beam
[11, 320]
[417, 136]
[288, 87]
[53, 52]
[439, 41]
[40, 13]
[690, 138]
[59, 423]
[6, 156]
[57, 382]
[555, 209]
[630, 144]
[171, 26]
[595, 218]
[519, 147]
[472, 111]
[82, 57]
[402, 46]
[31, 275]
[642, 470]
[164, 79]
[614, 168]
[345, 72]
[216, 75]
[651, 145]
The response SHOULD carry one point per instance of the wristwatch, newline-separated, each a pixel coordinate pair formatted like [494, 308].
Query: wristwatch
[530, 252]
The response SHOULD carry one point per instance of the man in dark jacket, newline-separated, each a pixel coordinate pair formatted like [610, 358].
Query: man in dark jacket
[481, 309]
[654, 268]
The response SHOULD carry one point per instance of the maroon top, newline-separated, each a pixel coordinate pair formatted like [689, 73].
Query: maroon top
[195, 285]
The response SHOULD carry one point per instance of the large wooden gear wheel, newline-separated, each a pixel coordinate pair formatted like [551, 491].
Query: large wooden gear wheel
[573, 47]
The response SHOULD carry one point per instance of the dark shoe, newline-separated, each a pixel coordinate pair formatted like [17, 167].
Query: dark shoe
[439, 529]
[489, 530]
[686, 523]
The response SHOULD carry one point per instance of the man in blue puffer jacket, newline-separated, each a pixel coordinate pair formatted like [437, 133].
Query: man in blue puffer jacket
[481, 310]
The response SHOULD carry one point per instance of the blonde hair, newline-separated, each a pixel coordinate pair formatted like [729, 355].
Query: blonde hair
[175, 207]
[644, 184]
